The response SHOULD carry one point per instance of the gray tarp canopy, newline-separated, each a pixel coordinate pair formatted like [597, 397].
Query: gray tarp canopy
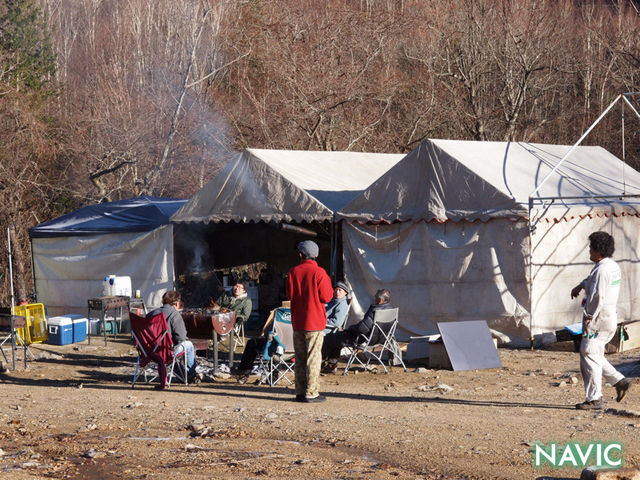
[447, 231]
[285, 185]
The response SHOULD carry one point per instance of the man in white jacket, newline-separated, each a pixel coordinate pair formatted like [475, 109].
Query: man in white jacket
[599, 322]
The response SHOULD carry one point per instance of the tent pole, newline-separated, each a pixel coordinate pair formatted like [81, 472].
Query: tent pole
[624, 157]
[34, 297]
[574, 146]
[334, 244]
[530, 228]
[10, 269]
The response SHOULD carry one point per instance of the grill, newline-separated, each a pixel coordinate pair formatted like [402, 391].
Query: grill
[204, 323]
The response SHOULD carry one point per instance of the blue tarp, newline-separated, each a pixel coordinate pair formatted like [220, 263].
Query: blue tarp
[132, 215]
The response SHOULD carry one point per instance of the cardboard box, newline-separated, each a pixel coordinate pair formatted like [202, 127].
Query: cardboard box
[627, 337]
[438, 356]
[418, 348]
[66, 329]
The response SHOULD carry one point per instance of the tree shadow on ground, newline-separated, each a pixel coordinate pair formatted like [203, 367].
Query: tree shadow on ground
[246, 391]
[100, 380]
[83, 359]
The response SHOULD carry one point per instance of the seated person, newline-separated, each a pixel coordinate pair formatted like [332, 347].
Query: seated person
[238, 302]
[171, 303]
[355, 334]
[337, 308]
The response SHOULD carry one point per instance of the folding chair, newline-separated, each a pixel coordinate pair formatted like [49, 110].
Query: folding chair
[14, 324]
[276, 367]
[382, 338]
[239, 339]
[154, 344]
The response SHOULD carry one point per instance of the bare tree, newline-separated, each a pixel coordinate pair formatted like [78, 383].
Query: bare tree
[321, 76]
[137, 126]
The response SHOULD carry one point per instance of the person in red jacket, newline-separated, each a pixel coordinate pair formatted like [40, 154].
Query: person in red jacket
[308, 288]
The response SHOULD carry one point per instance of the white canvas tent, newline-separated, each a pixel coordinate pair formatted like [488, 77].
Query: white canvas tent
[253, 197]
[285, 185]
[73, 253]
[449, 230]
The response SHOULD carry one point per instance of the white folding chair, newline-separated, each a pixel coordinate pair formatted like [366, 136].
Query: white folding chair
[381, 341]
[280, 364]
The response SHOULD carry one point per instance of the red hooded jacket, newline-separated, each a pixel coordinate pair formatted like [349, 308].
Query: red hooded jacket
[308, 288]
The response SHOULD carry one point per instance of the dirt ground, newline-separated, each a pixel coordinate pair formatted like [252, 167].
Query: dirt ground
[72, 414]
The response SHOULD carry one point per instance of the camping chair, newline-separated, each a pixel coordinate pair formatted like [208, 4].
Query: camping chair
[10, 324]
[239, 339]
[154, 344]
[275, 366]
[380, 340]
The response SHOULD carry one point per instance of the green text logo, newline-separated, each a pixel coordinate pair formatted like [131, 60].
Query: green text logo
[578, 455]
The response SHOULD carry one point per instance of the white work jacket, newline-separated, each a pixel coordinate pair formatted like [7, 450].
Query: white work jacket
[602, 288]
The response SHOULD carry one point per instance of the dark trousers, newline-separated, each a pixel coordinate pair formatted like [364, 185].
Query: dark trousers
[162, 369]
[333, 343]
[250, 353]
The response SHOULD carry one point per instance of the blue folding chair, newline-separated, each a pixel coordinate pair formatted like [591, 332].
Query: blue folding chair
[276, 363]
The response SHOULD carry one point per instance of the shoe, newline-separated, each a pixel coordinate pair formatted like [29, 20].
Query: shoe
[195, 379]
[329, 367]
[3, 369]
[242, 378]
[318, 399]
[621, 388]
[301, 398]
[160, 387]
[592, 405]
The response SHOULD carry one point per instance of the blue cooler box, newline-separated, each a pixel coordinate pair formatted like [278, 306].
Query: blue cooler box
[66, 329]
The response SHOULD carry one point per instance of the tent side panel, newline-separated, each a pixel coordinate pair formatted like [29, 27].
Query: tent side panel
[561, 260]
[440, 272]
[69, 270]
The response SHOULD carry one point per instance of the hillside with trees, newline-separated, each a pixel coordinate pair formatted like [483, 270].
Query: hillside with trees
[102, 100]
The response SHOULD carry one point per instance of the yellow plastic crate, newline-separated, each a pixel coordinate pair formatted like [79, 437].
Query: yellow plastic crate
[36, 329]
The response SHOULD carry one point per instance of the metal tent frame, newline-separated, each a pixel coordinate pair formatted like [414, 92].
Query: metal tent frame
[546, 202]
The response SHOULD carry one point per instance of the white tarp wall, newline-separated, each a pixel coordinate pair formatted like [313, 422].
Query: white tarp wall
[443, 272]
[69, 270]
[560, 260]
[440, 272]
